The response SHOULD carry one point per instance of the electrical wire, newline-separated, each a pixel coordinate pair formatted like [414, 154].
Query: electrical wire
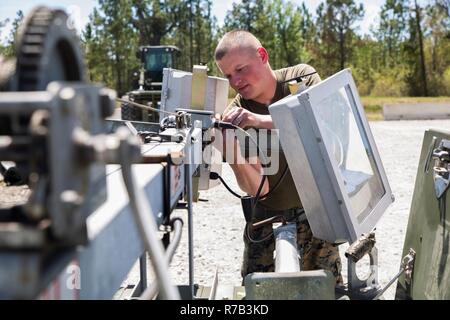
[265, 238]
[261, 184]
[263, 179]
[215, 175]
[258, 193]
[146, 225]
[299, 78]
[277, 184]
[143, 106]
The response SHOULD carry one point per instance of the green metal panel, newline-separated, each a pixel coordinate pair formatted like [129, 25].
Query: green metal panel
[428, 231]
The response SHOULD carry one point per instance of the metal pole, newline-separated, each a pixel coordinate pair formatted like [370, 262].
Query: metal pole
[286, 254]
[188, 177]
[143, 271]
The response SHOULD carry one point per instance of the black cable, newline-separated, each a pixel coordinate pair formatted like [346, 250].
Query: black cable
[299, 78]
[215, 175]
[258, 193]
[277, 184]
[228, 125]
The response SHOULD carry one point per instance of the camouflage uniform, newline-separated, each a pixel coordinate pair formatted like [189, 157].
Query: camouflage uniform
[315, 253]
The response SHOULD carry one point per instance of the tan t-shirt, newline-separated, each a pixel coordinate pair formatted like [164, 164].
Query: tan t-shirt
[285, 196]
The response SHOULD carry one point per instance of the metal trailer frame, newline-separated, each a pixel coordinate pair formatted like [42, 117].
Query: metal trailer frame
[97, 270]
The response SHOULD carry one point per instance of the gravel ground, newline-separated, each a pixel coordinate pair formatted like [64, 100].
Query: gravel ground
[218, 223]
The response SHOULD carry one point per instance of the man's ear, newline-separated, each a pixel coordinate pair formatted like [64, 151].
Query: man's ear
[263, 54]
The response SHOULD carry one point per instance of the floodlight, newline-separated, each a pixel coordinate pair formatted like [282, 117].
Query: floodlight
[333, 158]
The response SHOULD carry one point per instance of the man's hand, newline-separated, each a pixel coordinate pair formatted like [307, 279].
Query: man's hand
[248, 173]
[241, 117]
[245, 119]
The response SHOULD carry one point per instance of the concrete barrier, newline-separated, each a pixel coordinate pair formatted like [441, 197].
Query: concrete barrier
[417, 111]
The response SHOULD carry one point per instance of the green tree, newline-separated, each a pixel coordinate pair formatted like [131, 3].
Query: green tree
[418, 24]
[415, 53]
[3, 44]
[289, 23]
[188, 24]
[155, 19]
[8, 49]
[308, 29]
[111, 44]
[278, 24]
[195, 34]
[392, 31]
[244, 15]
[436, 46]
[365, 63]
[336, 23]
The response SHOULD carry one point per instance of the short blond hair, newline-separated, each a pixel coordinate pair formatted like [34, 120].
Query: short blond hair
[236, 39]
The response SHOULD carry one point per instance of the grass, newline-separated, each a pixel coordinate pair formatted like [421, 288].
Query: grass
[373, 106]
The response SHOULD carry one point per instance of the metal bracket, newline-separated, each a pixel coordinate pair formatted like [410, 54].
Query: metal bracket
[363, 288]
[199, 80]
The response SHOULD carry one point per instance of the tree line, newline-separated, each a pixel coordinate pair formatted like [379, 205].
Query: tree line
[406, 53]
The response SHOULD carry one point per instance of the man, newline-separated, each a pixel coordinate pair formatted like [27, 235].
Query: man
[245, 63]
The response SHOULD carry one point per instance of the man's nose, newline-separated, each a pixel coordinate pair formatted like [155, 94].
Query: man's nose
[235, 81]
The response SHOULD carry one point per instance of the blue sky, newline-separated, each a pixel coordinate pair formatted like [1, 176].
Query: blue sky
[81, 9]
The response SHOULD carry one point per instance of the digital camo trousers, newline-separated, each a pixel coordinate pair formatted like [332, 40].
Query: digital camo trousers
[315, 253]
